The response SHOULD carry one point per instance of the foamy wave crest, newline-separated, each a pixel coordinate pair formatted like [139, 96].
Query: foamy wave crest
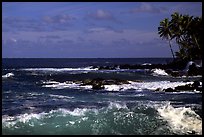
[63, 85]
[61, 69]
[146, 64]
[8, 75]
[12, 121]
[139, 86]
[117, 105]
[145, 85]
[181, 119]
[116, 118]
[159, 72]
[60, 96]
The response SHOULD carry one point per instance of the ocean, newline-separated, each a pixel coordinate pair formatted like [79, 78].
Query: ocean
[45, 97]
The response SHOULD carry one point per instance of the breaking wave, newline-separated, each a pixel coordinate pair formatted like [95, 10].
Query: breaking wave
[116, 118]
[181, 120]
[8, 75]
[159, 72]
[59, 69]
[90, 68]
[139, 86]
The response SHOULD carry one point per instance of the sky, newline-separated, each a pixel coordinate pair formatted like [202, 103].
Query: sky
[88, 29]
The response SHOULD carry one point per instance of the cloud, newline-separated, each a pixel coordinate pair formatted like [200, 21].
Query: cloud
[130, 43]
[103, 29]
[102, 15]
[148, 8]
[13, 40]
[47, 23]
[58, 19]
[21, 24]
[191, 8]
[103, 35]
[50, 37]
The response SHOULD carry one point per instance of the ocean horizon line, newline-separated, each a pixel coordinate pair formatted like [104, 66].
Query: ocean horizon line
[98, 58]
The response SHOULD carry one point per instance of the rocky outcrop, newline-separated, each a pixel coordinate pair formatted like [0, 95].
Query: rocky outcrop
[99, 83]
[176, 68]
[194, 71]
[188, 87]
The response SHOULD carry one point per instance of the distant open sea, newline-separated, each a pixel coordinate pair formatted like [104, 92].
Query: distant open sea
[43, 97]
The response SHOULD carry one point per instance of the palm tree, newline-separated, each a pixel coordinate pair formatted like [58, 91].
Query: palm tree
[195, 30]
[177, 27]
[186, 30]
[164, 31]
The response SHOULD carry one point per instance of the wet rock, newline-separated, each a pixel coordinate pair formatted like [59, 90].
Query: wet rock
[109, 82]
[169, 90]
[173, 73]
[106, 68]
[186, 80]
[87, 82]
[198, 111]
[99, 83]
[120, 81]
[77, 81]
[194, 70]
[158, 89]
[138, 80]
[191, 132]
[185, 87]
[196, 84]
[199, 89]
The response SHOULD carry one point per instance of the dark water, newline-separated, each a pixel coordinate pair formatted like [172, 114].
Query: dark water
[76, 62]
[41, 96]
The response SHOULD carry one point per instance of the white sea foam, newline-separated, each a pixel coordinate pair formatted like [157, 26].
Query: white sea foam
[139, 86]
[75, 112]
[58, 85]
[181, 119]
[35, 94]
[61, 97]
[145, 85]
[198, 76]
[8, 75]
[159, 72]
[117, 105]
[61, 69]
[146, 64]
[11, 121]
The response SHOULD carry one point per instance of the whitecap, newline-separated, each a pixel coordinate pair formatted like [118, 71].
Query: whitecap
[61, 97]
[117, 105]
[11, 121]
[139, 86]
[182, 119]
[146, 64]
[159, 72]
[90, 68]
[63, 85]
[8, 75]
[145, 85]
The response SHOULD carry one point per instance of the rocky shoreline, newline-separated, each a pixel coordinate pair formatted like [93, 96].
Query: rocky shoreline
[99, 84]
[174, 69]
[196, 86]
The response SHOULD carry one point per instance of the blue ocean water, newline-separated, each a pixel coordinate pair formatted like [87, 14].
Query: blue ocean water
[45, 96]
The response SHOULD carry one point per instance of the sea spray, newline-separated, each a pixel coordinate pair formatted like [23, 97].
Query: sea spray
[182, 120]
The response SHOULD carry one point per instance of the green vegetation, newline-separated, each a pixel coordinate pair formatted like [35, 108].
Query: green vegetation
[186, 31]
